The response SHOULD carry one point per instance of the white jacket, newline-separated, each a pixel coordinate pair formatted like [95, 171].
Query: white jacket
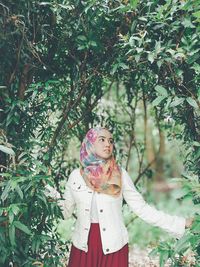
[114, 234]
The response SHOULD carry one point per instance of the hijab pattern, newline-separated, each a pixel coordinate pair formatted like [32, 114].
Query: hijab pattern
[101, 175]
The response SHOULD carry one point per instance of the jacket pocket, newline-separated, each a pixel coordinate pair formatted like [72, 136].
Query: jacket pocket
[78, 187]
[79, 192]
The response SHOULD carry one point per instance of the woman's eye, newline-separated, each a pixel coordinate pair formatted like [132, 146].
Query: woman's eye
[103, 140]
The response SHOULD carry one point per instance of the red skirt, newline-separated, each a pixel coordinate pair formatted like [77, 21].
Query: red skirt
[95, 257]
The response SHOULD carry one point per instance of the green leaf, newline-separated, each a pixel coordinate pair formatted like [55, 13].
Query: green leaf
[177, 101]
[15, 209]
[196, 227]
[139, 49]
[114, 69]
[122, 8]
[195, 143]
[161, 90]
[157, 101]
[131, 42]
[22, 227]
[11, 216]
[134, 3]
[192, 102]
[7, 150]
[82, 38]
[151, 57]
[7, 189]
[5, 174]
[68, 7]
[82, 47]
[137, 58]
[196, 67]
[33, 245]
[142, 19]
[44, 3]
[159, 63]
[19, 191]
[164, 255]
[153, 252]
[37, 247]
[1, 211]
[187, 23]
[196, 14]
[123, 66]
[42, 198]
[181, 192]
[168, 102]
[182, 244]
[11, 233]
[93, 43]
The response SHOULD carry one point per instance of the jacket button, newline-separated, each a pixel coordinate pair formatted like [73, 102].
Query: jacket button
[104, 229]
[101, 210]
[86, 228]
[107, 249]
[86, 209]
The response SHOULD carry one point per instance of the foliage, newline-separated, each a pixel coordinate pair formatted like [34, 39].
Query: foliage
[185, 252]
[58, 59]
[26, 220]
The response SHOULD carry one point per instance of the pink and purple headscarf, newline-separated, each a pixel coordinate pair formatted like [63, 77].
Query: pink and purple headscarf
[101, 175]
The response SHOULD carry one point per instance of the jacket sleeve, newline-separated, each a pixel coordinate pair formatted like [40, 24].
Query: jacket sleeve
[174, 225]
[66, 203]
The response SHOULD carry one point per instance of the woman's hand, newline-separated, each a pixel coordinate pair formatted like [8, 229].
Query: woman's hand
[189, 222]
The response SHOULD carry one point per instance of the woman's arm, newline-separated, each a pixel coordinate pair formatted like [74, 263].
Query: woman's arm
[174, 225]
[68, 202]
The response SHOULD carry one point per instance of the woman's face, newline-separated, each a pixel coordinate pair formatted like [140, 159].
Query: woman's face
[104, 144]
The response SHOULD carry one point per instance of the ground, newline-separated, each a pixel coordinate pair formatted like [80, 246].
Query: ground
[139, 258]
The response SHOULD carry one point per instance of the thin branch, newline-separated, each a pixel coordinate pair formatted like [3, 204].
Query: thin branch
[70, 106]
[181, 84]
[145, 169]
[145, 123]
[23, 81]
[132, 137]
[18, 58]
[70, 126]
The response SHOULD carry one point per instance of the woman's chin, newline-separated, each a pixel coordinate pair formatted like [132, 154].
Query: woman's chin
[106, 157]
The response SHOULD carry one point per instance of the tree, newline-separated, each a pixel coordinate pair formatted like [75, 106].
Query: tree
[58, 59]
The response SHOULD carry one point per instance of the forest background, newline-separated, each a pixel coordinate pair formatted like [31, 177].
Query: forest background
[65, 66]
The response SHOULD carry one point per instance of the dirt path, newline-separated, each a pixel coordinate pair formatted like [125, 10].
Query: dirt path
[139, 258]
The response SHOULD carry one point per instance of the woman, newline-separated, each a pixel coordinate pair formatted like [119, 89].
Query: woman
[100, 238]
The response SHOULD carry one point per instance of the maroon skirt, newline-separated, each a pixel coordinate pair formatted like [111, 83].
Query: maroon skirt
[95, 257]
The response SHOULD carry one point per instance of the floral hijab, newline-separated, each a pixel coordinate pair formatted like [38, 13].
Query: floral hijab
[101, 175]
